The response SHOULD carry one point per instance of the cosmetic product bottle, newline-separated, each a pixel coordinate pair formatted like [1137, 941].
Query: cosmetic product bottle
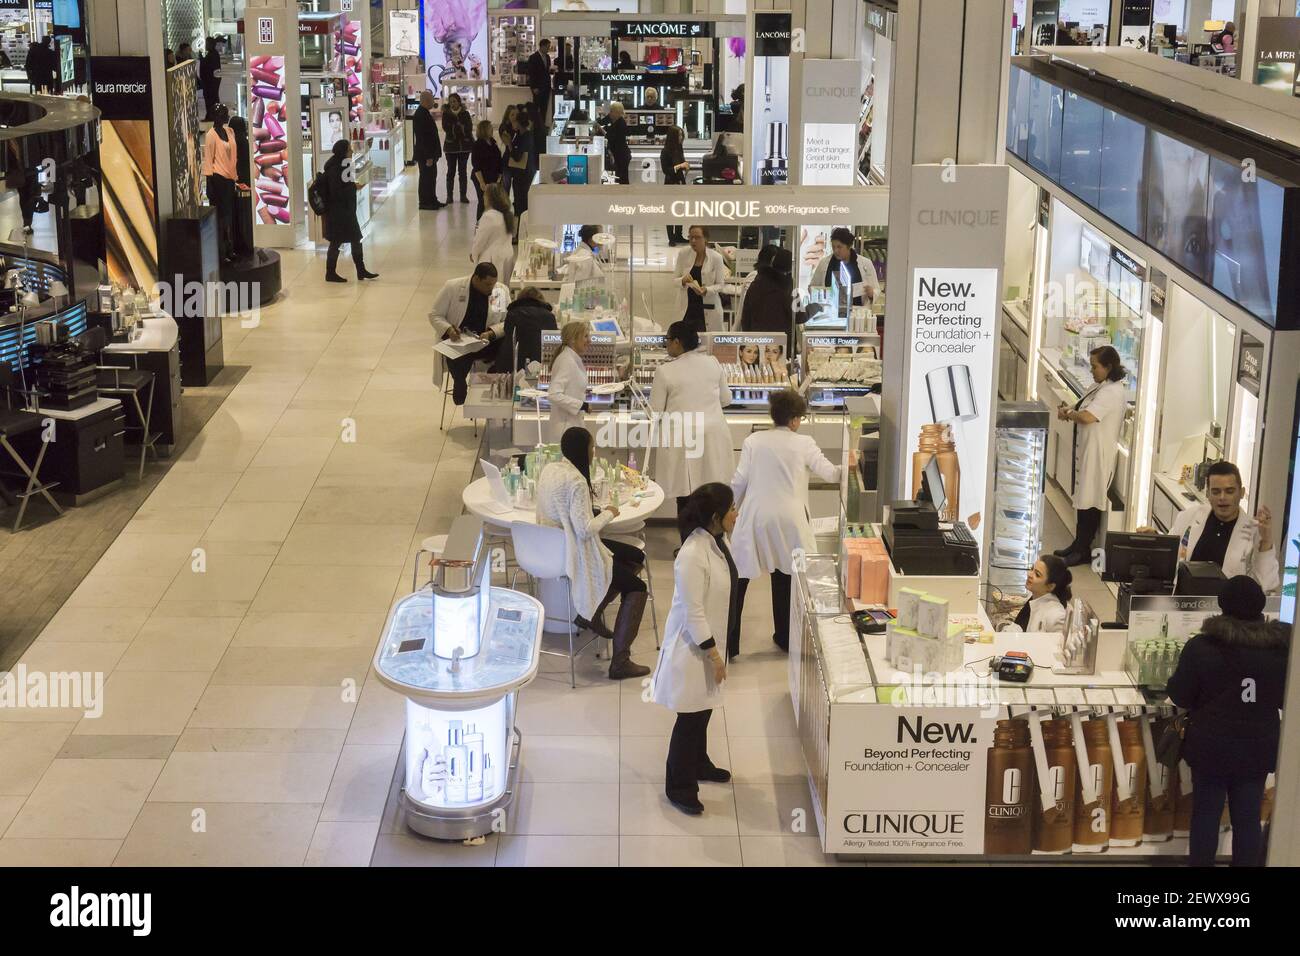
[1182, 787]
[1128, 815]
[433, 776]
[1009, 791]
[1092, 817]
[1053, 826]
[474, 768]
[457, 774]
[489, 785]
[927, 448]
[774, 170]
[1158, 822]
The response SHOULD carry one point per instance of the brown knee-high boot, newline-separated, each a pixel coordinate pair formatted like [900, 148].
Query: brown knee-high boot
[625, 631]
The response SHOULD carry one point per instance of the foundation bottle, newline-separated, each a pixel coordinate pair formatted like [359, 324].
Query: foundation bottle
[1009, 791]
[1158, 823]
[927, 448]
[1127, 816]
[1053, 829]
[1092, 820]
[1181, 785]
[936, 442]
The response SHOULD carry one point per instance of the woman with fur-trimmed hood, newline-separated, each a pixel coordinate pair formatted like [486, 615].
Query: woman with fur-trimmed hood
[1231, 677]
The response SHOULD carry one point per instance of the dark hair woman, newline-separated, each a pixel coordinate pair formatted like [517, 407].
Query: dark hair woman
[341, 214]
[458, 141]
[672, 161]
[1048, 584]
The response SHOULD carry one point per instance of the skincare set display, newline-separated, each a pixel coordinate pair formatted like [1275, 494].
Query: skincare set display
[866, 566]
[1020, 455]
[1151, 663]
[458, 772]
[537, 262]
[922, 638]
[827, 366]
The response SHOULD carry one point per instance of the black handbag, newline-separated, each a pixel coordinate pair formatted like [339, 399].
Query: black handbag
[1169, 745]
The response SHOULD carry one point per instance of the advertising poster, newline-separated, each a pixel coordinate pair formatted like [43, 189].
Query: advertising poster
[268, 117]
[183, 132]
[1291, 531]
[952, 352]
[404, 33]
[1135, 24]
[770, 99]
[830, 115]
[1278, 40]
[347, 44]
[455, 42]
[908, 780]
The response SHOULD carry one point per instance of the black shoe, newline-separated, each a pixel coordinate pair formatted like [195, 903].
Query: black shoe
[688, 805]
[464, 199]
[334, 277]
[1073, 559]
[363, 274]
[712, 774]
[596, 627]
[1062, 552]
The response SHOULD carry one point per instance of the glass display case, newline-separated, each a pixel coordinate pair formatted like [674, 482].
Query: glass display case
[1019, 471]
[756, 363]
[512, 37]
[459, 650]
[832, 367]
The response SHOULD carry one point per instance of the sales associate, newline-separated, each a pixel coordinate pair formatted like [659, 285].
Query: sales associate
[1098, 417]
[568, 390]
[843, 271]
[461, 310]
[539, 79]
[1048, 584]
[687, 395]
[582, 262]
[701, 272]
[1218, 532]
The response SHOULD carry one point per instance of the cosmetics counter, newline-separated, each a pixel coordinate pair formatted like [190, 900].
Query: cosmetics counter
[835, 366]
[1103, 249]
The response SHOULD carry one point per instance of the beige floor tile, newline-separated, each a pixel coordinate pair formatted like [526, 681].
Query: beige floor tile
[642, 759]
[345, 544]
[226, 578]
[775, 809]
[238, 834]
[179, 644]
[760, 715]
[234, 777]
[577, 759]
[786, 851]
[282, 452]
[555, 710]
[53, 657]
[766, 760]
[146, 702]
[147, 555]
[86, 799]
[375, 505]
[322, 708]
[313, 423]
[154, 519]
[380, 717]
[306, 629]
[253, 521]
[9, 807]
[83, 624]
[562, 809]
[342, 844]
[766, 672]
[551, 851]
[193, 489]
[26, 751]
[269, 740]
[224, 451]
[98, 590]
[359, 789]
[64, 853]
[326, 588]
[409, 849]
[274, 485]
[118, 746]
[678, 851]
[645, 811]
[323, 667]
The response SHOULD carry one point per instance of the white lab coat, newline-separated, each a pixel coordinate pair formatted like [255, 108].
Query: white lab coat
[693, 384]
[871, 284]
[583, 265]
[492, 244]
[564, 501]
[449, 311]
[771, 488]
[1046, 616]
[1097, 445]
[683, 676]
[568, 390]
[1243, 555]
[712, 275]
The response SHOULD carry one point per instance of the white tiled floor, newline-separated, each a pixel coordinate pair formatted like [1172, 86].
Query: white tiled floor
[241, 723]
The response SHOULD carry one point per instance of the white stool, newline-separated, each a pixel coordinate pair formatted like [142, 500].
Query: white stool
[433, 545]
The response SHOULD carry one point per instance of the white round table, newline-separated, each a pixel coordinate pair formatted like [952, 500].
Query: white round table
[632, 515]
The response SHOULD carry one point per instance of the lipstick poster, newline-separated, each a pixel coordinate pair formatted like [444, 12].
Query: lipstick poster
[268, 117]
[347, 44]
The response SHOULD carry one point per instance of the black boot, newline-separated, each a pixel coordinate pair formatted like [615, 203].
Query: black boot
[597, 623]
[625, 630]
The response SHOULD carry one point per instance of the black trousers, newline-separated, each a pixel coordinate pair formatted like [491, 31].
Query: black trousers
[478, 212]
[428, 188]
[1245, 795]
[1087, 524]
[332, 257]
[628, 560]
[520, 182]
[620, 164]
[688, 755]
[459, 369]
[780, 612]
[211, 95]
[241, 230]
[456, 165]
[221, 196]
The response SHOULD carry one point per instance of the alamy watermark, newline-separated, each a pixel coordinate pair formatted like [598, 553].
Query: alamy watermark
[661, 430]
[40, 690]
[196, 300]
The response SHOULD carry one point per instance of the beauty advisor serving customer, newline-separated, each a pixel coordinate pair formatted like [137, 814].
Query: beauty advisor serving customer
[568, 389]
[1221, 533]
[701, 272]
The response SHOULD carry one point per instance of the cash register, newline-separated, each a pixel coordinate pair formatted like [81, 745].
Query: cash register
[919, 545]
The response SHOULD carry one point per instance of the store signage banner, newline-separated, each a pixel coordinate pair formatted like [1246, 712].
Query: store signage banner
[120, 87]
[404, 33]
[831, 101]
[709, 205]
[908, 779]
[659, 29]
[772, 34]
[1278, 40]
[1250, 364]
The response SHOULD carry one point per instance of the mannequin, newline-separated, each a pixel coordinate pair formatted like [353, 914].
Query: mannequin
[221, 167]
[242, 227]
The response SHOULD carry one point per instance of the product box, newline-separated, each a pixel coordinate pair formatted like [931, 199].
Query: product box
[932, 616]
[873, 587]
[909, 606]
[908, 650]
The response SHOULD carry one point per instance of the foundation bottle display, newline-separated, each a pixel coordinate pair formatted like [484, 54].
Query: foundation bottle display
[1127, 816]
[1053, 829]
[1182, 788]
[1092, 820]
[1158, 823]
[1009, 791]
[936, 442]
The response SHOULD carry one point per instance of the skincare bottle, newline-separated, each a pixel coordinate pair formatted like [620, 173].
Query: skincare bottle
[1092, 817]
[1053, 826]
[457, 774]
[1128, 815]
[1009, 791]
[474, 769]
[489, 785]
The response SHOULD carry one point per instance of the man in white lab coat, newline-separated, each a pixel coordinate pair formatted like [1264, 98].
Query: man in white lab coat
[1220, 532]
[464, 310]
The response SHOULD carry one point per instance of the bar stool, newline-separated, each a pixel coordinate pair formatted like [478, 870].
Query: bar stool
[434, 545]
[16, 423]
[125, 382]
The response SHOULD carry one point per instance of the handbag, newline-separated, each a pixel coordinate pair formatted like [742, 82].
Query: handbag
[1169, 745]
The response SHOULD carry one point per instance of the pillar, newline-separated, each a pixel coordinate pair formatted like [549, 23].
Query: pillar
[271, 59]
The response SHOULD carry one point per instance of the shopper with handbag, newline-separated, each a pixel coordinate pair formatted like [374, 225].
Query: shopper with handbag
[1231, 677]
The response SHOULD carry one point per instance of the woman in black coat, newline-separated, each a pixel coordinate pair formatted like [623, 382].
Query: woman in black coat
[485, 164]
[672, 160]
[341, 214]
[526, 318]
[458, 141]
[1231, 677]
[616, 148]
[769, 302]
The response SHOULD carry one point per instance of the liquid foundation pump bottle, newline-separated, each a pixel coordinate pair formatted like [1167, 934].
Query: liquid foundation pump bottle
[1053, 830]
[1158, 822]
[1092, 801]
[1009, 791]
[936, 442]
[1128, 813]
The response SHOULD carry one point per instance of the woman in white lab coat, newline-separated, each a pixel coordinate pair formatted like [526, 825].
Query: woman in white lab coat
[568, 389]
[492, 235]
[689, 673]
[1098, 418]
[701, 272]
[771, 488]
[582, 262]
[693, 444]
[843, 267]
[1048, 585]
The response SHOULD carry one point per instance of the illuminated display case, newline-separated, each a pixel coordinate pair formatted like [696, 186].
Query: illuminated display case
[834, 366]
[1020, 452]
[756, 363]
[459, 650]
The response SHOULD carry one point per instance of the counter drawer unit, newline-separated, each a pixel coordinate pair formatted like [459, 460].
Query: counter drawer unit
[86, 457]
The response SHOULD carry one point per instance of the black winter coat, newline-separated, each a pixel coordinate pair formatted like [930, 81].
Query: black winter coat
[525, 320]
[341, 201]
[459, 130]
[425, 130]
[1231, 677]
[768, 302]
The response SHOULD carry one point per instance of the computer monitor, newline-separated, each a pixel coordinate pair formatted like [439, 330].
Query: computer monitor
[932, 488]
[1140, 557]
